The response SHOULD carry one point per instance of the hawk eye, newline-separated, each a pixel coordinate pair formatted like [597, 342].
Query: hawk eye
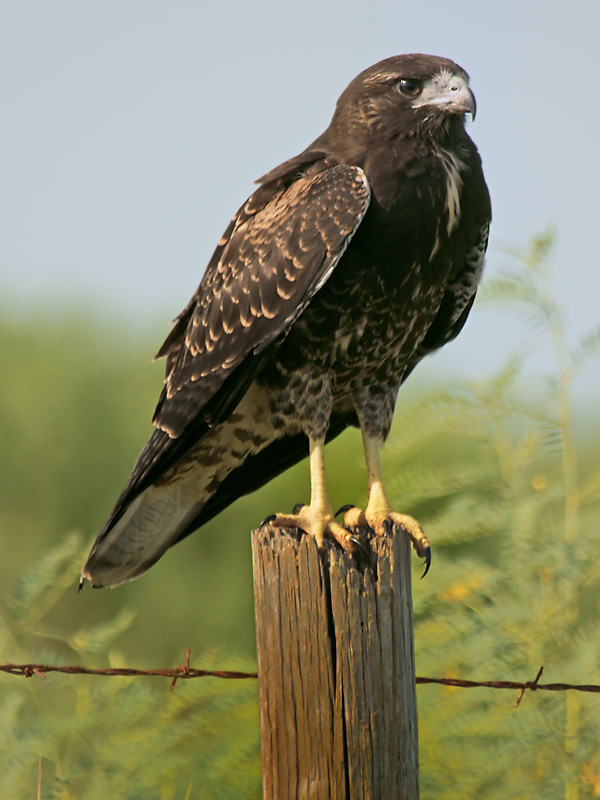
[410, 87]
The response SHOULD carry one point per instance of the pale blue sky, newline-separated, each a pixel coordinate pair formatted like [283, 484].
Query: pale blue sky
[132, 129]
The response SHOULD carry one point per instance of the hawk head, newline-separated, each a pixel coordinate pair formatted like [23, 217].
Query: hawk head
[402, 96]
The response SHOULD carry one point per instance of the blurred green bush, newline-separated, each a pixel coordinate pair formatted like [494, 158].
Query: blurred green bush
[503, 474]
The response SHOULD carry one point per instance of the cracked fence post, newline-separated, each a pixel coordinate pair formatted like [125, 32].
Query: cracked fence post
[338, 711]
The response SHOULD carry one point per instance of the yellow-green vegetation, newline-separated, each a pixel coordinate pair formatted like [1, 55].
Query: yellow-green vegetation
[507, 482]
[503, 474]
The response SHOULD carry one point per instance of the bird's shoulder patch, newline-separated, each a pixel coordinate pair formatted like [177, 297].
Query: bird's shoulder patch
[277, 252]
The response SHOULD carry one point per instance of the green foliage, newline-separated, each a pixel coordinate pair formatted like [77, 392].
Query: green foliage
[101, 737]
[115, 737]
[511, 500]
[502, 473]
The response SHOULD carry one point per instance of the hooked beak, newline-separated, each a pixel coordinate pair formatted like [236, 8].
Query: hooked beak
[450, 93]
[464, 102]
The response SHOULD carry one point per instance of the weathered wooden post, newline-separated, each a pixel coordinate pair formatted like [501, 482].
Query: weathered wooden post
[338, 712]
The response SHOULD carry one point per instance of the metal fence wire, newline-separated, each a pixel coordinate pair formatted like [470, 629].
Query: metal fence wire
[185, 672]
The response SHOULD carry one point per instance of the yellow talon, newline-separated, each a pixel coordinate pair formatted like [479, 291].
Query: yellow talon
[317, 519]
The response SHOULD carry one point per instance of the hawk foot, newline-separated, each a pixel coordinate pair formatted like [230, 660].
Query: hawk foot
[316, 522]
[384, 522]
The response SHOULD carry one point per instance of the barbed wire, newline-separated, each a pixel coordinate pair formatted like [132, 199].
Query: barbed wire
[185, 672]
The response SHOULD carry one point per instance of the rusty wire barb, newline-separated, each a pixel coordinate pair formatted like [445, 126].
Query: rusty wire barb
[183, 672]
[186, 672]
[532, 685]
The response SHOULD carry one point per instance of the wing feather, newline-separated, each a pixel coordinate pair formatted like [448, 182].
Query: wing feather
[274, 258]
[278, 250]
[458, 299]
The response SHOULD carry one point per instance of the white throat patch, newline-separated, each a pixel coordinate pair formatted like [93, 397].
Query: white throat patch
[453, 167]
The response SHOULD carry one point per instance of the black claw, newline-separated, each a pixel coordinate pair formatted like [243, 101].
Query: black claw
[427, 562]
[268, 520]
[298, 508]
[343, 509]
[358, 543]
[81, 585]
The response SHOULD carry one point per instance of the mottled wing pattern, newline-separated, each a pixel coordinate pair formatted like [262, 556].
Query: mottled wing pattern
[272, 260]
[457, 300]
[464, 286]
[278, 250]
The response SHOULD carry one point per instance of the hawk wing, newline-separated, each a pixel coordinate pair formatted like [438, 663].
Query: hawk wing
[277, 252]
[458, 299]
[272, 260]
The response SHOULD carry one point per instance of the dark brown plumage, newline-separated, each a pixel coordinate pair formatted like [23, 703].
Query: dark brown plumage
[346, 266]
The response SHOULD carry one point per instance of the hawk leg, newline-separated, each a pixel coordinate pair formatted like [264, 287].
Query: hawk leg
[317, 519]
[378, 514]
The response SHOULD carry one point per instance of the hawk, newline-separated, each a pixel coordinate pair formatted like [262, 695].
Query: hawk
[348, 264]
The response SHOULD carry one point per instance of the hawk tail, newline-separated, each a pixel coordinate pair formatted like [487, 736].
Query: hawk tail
[233, 459]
